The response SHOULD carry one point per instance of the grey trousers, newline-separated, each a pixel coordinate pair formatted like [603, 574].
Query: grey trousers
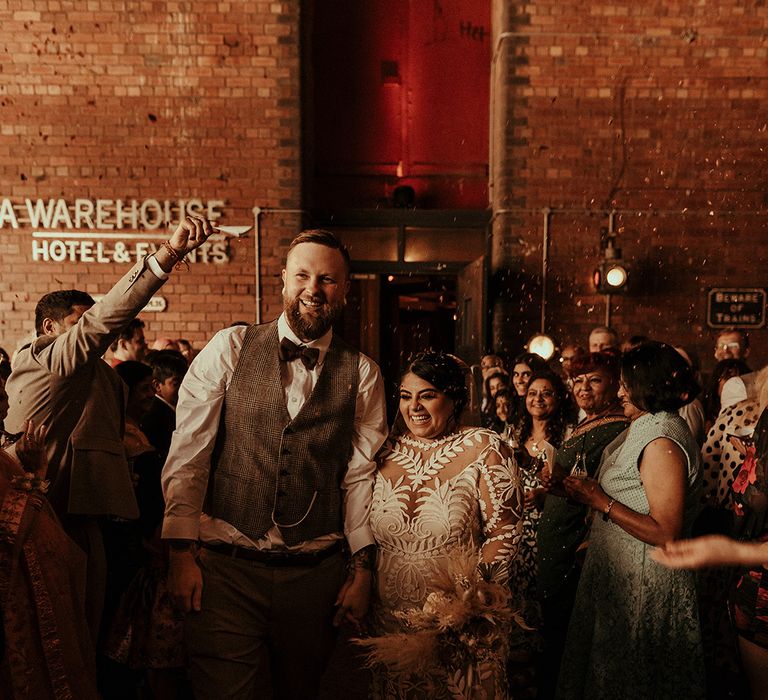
[262, 631]
[86, 534]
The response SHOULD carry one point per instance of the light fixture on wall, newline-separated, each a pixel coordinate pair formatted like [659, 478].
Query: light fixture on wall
[542, 345]
[610, 276]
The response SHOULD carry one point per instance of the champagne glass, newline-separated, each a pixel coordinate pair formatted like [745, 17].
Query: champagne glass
[580, 467]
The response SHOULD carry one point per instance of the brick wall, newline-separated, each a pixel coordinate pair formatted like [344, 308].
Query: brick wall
[654, 110]
[151, 100]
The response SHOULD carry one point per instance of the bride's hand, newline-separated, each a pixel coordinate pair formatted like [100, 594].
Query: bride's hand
[354, 598]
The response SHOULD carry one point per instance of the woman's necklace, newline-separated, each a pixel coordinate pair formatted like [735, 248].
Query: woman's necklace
[537, 444]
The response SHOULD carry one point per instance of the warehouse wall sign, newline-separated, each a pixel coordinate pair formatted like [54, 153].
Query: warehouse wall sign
[740, 307]
[109, 230]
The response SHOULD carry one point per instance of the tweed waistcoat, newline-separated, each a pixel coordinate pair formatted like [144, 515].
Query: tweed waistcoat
[270, 470]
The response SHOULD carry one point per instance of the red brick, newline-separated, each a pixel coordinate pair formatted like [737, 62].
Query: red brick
[83, 131]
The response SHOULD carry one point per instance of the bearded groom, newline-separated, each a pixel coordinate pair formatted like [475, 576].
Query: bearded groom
[268, 487]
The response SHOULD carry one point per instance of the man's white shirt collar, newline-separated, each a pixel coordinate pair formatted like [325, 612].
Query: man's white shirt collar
[170, 405]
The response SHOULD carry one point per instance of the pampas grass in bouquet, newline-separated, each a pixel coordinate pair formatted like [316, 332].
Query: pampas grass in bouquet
[465, 620]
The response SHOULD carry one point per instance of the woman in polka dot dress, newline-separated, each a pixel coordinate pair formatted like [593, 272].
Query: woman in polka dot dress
[721, 462]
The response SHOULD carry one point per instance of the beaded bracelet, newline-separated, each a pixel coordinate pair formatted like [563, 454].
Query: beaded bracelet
[607, 510]
[30, 482]
[178, 259]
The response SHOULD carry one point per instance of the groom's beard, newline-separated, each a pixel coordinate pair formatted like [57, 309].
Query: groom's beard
[311, 324]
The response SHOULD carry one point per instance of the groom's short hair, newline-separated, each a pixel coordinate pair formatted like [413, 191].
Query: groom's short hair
[321, 237]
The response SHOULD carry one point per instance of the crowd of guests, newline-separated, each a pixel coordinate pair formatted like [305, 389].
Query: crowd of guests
[614, 495]
[570, 490]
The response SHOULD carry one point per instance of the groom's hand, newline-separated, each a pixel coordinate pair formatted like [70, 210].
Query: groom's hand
[185, 580]
[355, 595]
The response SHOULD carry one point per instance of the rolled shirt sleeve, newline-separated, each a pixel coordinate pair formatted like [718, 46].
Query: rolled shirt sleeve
[370, 431]
[201, 397]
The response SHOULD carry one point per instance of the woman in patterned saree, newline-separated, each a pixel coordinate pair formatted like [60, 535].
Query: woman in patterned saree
[440, 491]
[45, 652]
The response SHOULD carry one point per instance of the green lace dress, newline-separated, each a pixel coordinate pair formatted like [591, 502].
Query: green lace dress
[634, 632]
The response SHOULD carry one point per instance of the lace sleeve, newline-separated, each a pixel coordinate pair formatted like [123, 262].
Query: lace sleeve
[501, 505]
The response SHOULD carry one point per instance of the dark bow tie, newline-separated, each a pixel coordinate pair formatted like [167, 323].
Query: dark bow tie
[290, 351]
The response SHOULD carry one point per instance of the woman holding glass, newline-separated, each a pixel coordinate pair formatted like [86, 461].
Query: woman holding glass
[634, 632]
[563, 525]
[547, 418]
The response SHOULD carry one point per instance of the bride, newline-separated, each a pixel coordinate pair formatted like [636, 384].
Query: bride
[440, 491]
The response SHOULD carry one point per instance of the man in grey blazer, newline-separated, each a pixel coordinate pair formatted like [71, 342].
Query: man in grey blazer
[61, 381]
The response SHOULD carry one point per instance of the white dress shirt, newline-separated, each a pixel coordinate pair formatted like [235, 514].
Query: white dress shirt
[737, 389]
[201, 397]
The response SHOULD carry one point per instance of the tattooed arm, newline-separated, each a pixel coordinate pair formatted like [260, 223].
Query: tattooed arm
[355, 595]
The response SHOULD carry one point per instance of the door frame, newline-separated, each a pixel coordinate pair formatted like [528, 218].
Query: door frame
[402, 219]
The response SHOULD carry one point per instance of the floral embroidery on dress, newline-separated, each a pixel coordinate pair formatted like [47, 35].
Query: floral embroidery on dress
[437, 499]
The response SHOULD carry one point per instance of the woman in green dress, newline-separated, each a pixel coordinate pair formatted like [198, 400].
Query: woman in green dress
[563, 525]
[634, 631]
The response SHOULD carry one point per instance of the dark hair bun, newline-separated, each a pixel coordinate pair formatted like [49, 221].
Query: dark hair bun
[445, 372]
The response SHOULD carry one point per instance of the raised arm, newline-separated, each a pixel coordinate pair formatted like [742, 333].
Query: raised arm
[96, 329]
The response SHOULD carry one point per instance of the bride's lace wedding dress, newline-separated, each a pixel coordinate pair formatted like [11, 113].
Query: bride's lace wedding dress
[434, 499]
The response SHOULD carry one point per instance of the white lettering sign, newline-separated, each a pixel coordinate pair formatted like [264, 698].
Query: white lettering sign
[66, 231]
[741, 307]
[74, 250]
[103, 214]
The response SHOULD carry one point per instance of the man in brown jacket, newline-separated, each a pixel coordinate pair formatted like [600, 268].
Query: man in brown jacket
[61, 381]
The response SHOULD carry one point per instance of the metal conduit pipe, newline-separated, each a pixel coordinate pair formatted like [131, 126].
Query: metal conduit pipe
[547, 212]
[257, 212]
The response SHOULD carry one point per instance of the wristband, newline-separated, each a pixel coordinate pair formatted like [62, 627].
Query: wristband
[178, 259]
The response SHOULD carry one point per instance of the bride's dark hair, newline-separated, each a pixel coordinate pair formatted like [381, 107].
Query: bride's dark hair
[445, 372]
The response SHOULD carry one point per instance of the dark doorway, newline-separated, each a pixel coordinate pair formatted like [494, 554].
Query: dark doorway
[393, 316]
[417, 313]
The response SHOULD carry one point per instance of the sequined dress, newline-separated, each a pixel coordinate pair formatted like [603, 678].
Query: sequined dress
[439, 498]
